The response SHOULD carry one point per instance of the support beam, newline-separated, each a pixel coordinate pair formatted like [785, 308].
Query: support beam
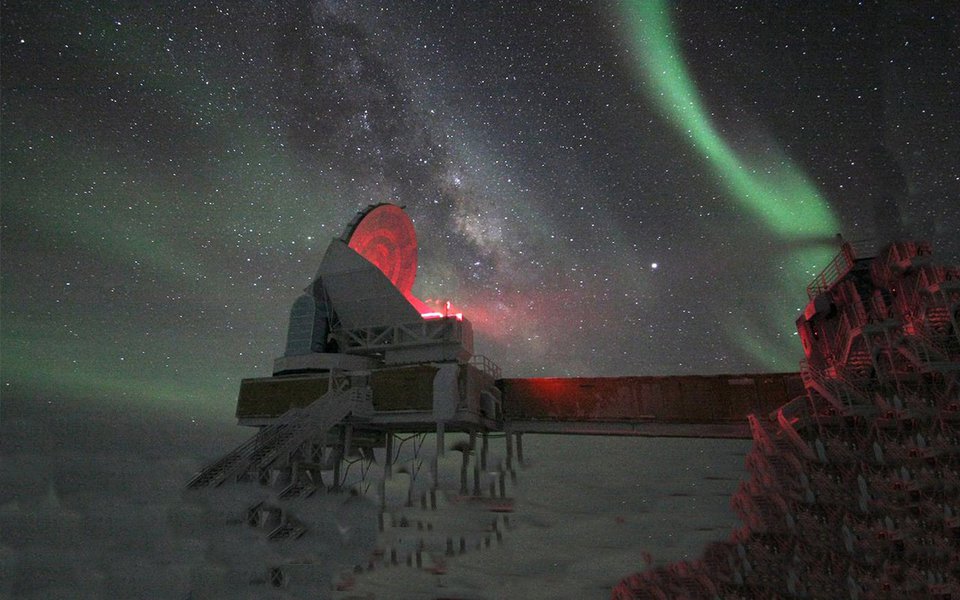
[346, 439]
[387, 473]
[520, 448]
[338, 460]
[483, 450]
[388, 461]
[435, 466]
[465, 456]
[440, 431]
[476, 463]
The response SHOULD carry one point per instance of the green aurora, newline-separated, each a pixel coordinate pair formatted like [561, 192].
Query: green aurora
[772, 192]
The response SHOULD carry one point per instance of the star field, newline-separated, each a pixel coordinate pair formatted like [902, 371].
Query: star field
[613, 188]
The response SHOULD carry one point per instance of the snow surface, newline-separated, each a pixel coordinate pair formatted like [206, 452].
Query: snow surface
[93, 505]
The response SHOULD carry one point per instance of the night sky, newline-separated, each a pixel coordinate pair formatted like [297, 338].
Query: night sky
[632, 188]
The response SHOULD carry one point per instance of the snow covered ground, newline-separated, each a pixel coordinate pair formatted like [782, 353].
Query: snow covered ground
[92, 505]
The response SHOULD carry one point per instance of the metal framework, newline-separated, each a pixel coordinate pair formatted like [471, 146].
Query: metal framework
[425, 332]
[854, 489]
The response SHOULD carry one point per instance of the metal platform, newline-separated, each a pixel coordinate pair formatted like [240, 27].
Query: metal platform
[417, 398]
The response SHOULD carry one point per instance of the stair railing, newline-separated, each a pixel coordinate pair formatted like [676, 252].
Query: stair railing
[840, 390]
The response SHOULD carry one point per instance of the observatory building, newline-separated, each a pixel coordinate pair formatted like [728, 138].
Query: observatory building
[365, 359]
[359, 325]
[854, 458]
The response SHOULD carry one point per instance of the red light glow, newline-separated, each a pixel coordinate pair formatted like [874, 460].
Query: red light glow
[435, 309]
[386, 237]
[438, 315]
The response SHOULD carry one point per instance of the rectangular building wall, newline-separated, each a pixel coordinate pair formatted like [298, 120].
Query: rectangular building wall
[718, 398]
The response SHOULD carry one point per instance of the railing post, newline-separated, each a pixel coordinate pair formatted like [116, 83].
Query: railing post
[483, 451]
[476, 463]
[388, 460]
[847, 251]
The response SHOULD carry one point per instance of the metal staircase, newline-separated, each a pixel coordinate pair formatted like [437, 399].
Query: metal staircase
[280, 524]
[841, 394]
[282, 438]
[288, 530]
[301, 488]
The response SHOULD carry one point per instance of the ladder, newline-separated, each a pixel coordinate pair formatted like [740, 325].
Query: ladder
[280, 439]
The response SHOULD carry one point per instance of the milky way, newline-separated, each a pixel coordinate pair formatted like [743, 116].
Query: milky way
[171, 175]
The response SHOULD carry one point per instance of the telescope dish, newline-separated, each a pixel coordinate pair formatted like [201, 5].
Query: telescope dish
[384, 235]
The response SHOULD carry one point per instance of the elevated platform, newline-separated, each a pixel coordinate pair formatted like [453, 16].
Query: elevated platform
[639, 428]
[418, 398]
[672, 406]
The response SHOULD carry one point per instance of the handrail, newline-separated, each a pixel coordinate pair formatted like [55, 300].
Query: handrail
[843, 391]
[840, 265]
[402, 335]
[323, 413]
[923, 344]
[840, 344]
[486, 365]
[860, 312]
[879, 308]
[837, 268]
[853, 317]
